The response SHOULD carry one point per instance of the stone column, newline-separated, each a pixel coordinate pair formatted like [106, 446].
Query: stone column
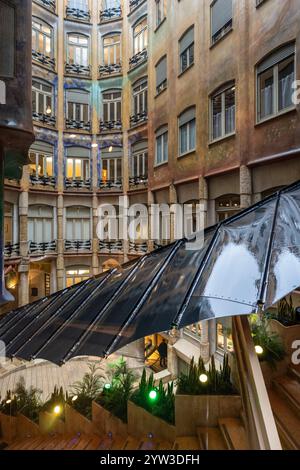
[95, 241]
[172, 200]
[23, 293]
[203, 197]
[60, 265]
[204, 343]
[245, 186]
[150, 202]
[23, 267]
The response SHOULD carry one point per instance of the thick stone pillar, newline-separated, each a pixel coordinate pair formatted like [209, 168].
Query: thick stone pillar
[203, 197]
[95, 241]
[60, 265]
[245, 186]
[23, 293]
[172, 200]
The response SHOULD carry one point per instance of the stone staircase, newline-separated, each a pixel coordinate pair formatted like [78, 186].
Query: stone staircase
[285, 401]
[229, 435]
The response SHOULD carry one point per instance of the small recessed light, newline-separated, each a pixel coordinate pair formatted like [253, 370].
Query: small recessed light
[72, 136]
[94, 146]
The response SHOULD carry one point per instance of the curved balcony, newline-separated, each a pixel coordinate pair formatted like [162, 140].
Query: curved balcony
[43, 59]
[138, 59]
[138, 118]
[49, 4]
[44, 119]
[135, 3]
[77, 69]
[137, 248]
[77, 183]
[78, 125]
[107, 70]
[110, 14]
[12, 250]
[111, 185]
[78, 245]
[106, 126]
[138, 181]
[42, 248]
[111, 247]
[78, 14]
[42, 180]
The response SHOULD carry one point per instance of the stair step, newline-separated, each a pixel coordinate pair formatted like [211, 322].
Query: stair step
[211, 439]
[294, 372]
[288, 423]
[234, 433]
[186, 443]
[94, 443]
[132, 443]
[289, 389]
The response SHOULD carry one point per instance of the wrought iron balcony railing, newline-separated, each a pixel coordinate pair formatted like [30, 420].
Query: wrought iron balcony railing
[12, 250]
[78, 14]
[42, 248]
[138, 248]
[106, 126]
[110, 14]
[108, 185]
[77, 183]
[43, 59]
[105, 70]
[44, 119]
[78, 245]
[138, 59]
[43, 180]
[138, 118]
[111, 247]
[77, 69]
[80, 125]
[161, 244]
[135, 3]
[135, 181]
[50, 4]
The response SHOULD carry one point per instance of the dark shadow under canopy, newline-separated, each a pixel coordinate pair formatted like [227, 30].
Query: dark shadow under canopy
[249, 261]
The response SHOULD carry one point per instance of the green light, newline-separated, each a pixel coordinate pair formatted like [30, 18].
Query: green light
[107, 386]
[153, 395]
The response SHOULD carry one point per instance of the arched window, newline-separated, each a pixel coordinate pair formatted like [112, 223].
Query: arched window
[42, 100]
[78, 223]
[78, 49]
[77, 274]
[140, 36]
[223, 112]
[112, 49]
[40, 224]
[78, 112]
[140, 100]
[228, 205]
[42, 37]
[187, 131]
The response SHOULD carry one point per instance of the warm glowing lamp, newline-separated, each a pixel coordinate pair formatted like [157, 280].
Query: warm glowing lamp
[203, 378]
[57, 410]
[259, 350]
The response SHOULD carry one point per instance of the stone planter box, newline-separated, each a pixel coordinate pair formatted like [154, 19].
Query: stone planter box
[104, 422]
[141, 423]
[205, 411]
[48, 423]
[8, 427]
[75, 422]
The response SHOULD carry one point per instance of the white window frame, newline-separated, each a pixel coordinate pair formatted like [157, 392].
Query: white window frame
[141, 157]
[186, 125]
[160, 11]
[45, 156]
[82, 5]
[73, 220]
[47, 96]
[140, 36]
[114, 49]
[74, 162]
[39, 30]
[82, 273]
[107, 102]
[140, 96]
[164, 148]
[81, 50]
[115, 177]
[222, 93]
[34, 221]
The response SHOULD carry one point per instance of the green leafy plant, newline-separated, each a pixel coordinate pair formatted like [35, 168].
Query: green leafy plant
[57, 398]
[116, 396]
[86, 391]
[217, 382]
[272, 346]
[163, 406]
[22, 400]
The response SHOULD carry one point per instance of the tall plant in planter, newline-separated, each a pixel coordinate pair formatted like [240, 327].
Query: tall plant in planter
[24, 401]
[58, 398]
[86, 391]
[272, 346]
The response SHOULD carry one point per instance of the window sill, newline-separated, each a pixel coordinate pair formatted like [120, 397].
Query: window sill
[186, 154]
[186, 70]
[160, 24]
[221, 38]
[221, 139]
[160, 93]
[159, 165]
[276, 116]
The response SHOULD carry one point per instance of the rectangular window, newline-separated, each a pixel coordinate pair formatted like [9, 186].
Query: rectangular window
[140, 164]
[8, 40]
[161, 155]
[112, 50]
[161, 75]
[221, 19]
[186, 50]
[140, 37]
[112, 106]
[78, 4]
[140, 98]
[78, 50]
[160, 11]
[111, 169]
[187, 132]
[42, 38]
[223, 113]
[41, 164]
[42, 98]
[275, 77]
[78, 169]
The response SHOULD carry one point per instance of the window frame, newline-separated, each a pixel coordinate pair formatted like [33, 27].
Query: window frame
[106, 103]
[40, 32]
[116, 47]
[140, 96]
[222, 92]
[45, 95]
[188, 126]
[116, 177]
[79, 46]
[140, 37]
[164, 137]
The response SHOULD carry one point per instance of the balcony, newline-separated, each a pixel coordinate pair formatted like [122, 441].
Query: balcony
[107, 70]
[111, 185]
[138, 59]
[44, 119]
[78, 125]
[77, 183]
[138, 118]
[43, 59]
[135, 3]
[78, 14]
[106, 126]
[78, 245]
[77, 69]
[111, 247]
[42, 248]
[137, 248]
[42, 180]
[110, 14]
[49, 4]
[11, 250]
[138, 181]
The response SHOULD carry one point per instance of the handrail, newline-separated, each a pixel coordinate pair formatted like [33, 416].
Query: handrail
[260, 422]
